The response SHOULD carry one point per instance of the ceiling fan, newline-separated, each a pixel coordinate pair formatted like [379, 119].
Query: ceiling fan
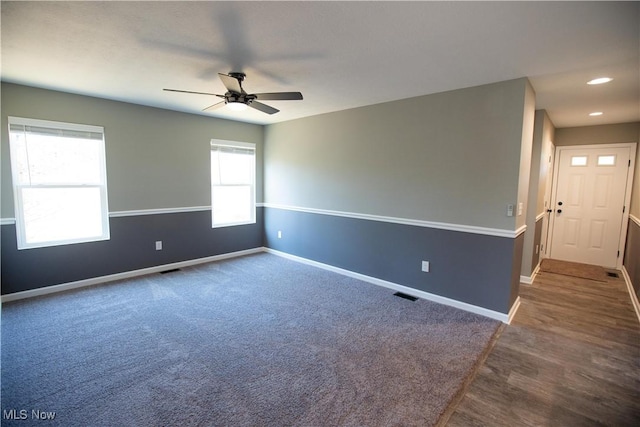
[237, 99]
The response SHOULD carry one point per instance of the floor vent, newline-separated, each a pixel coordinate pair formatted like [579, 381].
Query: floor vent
[612, 274]
[173, 270]
[405, 296]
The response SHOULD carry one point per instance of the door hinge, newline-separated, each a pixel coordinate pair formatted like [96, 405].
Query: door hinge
[623, 209]
[618, 256]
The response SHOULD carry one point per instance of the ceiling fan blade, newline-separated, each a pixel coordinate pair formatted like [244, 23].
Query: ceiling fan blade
[231, 83]
[214, 106]
[279, 96]
[263, 107]
[197, 93]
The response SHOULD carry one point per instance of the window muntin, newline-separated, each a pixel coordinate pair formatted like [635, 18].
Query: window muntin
[59, 182]
[233, 167]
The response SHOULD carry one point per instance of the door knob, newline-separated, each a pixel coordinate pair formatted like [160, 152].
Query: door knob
[559, 211]
[559, 203]
[549, 210]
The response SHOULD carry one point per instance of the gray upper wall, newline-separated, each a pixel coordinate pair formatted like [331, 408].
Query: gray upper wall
[602, 134]
[155, 158]
[526, 148]
[451, 157]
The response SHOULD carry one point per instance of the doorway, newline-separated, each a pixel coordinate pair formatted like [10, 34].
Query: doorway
[590, 202]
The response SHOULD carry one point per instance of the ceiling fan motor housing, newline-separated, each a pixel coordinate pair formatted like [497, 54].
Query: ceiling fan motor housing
[243, 98]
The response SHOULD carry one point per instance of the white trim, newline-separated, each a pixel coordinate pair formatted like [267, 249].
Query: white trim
[119, 276]
[505, 318]
[635, 219]
[406, 221]
[528, 280]
[514, 309]
[233, 144]
[159, 211]
[632, 294]
[540, 216]
[24, 121]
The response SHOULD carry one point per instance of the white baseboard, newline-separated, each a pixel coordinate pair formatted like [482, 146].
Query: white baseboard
[505, 318]
[528, 280]
[632, 294]
[119, 276]
[514, 309]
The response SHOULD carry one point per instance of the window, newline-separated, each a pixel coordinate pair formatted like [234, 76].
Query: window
[579, 161]
[233, 183]
[59, 182]
[609, 160]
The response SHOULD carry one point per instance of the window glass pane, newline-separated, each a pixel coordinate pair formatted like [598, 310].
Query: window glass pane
[215, 167]
[54, 160]
[231, 204]
[579, 161]
[236, 168]
[609, 160]
[57, 214]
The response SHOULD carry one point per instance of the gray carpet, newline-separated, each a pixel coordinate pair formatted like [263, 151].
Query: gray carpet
[252, 341]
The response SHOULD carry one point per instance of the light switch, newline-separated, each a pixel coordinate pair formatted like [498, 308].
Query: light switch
[509, 210]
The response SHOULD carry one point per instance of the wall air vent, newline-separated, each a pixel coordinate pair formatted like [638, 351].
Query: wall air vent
[405, 296]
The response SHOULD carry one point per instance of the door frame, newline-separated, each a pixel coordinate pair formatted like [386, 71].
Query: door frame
[550, 153]
[627, 197]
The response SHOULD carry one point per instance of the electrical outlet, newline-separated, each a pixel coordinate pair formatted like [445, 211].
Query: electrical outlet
[158, 245]
[279, 234]
[425, 266]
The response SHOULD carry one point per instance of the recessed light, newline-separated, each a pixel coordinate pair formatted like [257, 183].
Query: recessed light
[599, 81]
[596, 113]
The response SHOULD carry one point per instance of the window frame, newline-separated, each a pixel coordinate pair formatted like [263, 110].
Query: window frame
[18, 187]
[252, 198]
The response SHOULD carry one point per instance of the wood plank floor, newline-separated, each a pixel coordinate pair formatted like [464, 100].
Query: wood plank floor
[571, 357]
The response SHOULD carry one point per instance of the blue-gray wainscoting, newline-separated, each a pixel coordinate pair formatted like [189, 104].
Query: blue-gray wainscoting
[185, 236]
[477, 269]
[632, 255]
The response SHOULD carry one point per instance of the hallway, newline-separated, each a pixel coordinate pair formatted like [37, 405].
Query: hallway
[571, 357]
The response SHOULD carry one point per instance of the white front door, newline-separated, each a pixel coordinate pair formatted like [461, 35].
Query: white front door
[588, 205]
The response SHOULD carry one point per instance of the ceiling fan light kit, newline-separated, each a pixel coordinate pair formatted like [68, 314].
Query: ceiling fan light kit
[238, 99]
[237, 106]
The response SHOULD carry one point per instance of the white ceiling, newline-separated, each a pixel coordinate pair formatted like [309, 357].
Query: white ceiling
[340, 55]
